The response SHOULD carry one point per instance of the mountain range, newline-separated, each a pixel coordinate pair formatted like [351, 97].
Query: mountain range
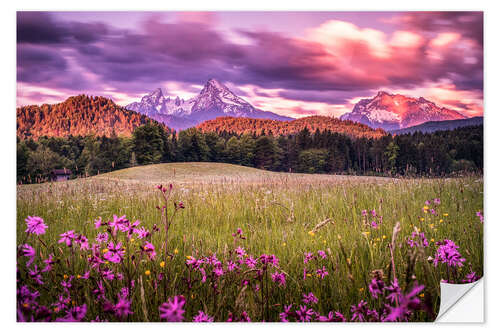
[395, 111]
[445, 125]
[214, 100]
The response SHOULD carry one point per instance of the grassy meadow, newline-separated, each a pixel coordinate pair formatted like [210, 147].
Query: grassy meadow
[280, 214]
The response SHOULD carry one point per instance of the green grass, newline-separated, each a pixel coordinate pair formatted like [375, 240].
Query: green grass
[276, 212]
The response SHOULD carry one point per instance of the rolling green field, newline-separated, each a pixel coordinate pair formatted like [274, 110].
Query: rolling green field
[282, 214]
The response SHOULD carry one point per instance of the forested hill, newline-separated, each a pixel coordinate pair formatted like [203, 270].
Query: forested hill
[277, 127]
[78, 115]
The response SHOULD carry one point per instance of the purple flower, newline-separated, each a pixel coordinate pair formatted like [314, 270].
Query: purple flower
[74, 314]
[359, 312]
[322, 272]
[423, 240]
[308, 256]
[407, 304]
[115, 252]
[374, 225]
[36, 275]
[364, 212]
[173, 309]
[279, 278]
[374, 213]
[322, 254]
[480, 215]
[149, 249]
[202, 317]
[376, 287]
[332, 317]
[142, 232]
[287, 312]
[35, 225]
[48, 262]
[122, 308]
[304, 314]
[447, 253]
[108, 274]
[102, 238]
[394, 291]
[67, 237]
[29, 252]
[240, 251]
[98, 222]
[437, 201]
[471, 277]
[250, 262]
[231, 266]
[309, 298]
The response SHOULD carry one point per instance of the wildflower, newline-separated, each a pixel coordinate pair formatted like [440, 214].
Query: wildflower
[250, 262]
[115, 252]
[147, 272]
[122, 308]
[322, 254]
[28, 251]
[308, 256]
[364, 212]
[304, 314]
[374, 213]
[74, 314]
[279, 278]
[407, 304]
[437, 201]
[162, 264]
[419, 237]
[359, 311]
[98, 222]
[101, 237]
[36, 275]
[149, 249]
[231, 266]
[447, 253]
[48, 262]
[332, 317]
[284, 315]
[374, 225]
[35, 225]
[322, 272]
[311, 233]
[309, 298]
[394, 291]
[173, 310]
[239, 234]
[142, 232]
[376, 287]
[445, 214]
[202, 317]
[67, 237]
[240, 252]
[218, 271]
[480, 215]
[108, 274]
[83, 241]
[471, 277]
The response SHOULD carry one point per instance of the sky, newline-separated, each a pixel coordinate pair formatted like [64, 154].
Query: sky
[292, 63]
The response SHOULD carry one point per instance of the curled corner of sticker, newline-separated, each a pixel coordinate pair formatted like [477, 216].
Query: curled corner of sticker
[462, 303]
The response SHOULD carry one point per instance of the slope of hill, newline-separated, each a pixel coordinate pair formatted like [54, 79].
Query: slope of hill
[77, 115]
[393, 112]
[276, 127]
[433, 126]
[214, 100]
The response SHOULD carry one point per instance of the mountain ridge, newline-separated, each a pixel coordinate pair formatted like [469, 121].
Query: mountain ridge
[396, 111]
[214, 100]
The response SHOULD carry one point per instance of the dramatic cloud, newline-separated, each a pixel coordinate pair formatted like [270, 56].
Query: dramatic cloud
[321, 71]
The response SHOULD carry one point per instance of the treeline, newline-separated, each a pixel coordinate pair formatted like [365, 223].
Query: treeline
[431, 154]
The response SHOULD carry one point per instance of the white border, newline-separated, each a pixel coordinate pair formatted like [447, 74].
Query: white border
[7, 130]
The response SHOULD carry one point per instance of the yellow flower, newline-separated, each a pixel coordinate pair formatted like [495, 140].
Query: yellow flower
[176, 251]
[441, 221]
[26, 305]
[189, 257]
[284, 244]
[445, 214]
[432, 240]
[366, 233]
[324, 241]
[104, 250]
[148, 272]
[65, 276]
[426, 207]
[361, 289]
[132, 240]
[422, 219]
[422, 295]
[311, 233]
[384, 237]
[56, 309]
[73, 302]
[309, 274]
[431, 225]
[193, 296]
[378, 239]
[162, 264]
[78, 276]
[106, 262]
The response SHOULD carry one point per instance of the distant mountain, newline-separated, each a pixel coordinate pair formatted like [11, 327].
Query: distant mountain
[278, 127]
[393, 112]
[433, 126]
[214, 100]
[77, 115]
